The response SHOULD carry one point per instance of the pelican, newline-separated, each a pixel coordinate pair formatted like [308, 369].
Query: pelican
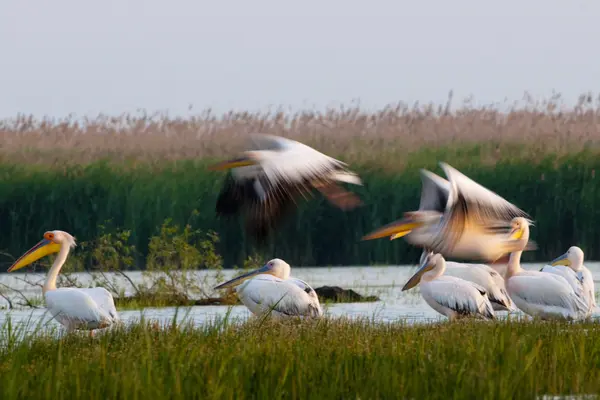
[536, 293]
[570, 266]
[272, 290]
[482, 275]
[74, 308]
[457, 218]
[450, 296]
[266, 183]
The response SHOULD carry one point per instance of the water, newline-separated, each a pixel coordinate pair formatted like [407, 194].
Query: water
[385, 282]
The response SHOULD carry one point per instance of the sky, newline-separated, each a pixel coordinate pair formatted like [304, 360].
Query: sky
[112, 56]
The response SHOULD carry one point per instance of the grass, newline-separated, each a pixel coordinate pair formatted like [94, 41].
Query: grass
[331, 358]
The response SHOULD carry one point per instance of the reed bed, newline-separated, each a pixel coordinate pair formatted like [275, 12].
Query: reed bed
[137, 170]
[331, 358]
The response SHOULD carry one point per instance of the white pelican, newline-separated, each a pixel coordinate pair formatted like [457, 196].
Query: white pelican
[266, 183]
[448, 295]
[484, 276]
[457, 218]
[272, 290]
[541, 294]
[75, 308]
[570, 266]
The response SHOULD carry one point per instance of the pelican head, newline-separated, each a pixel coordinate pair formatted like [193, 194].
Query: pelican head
[276, 267]
[248, 158]
[429, 262]
[573, 258]
[51, 243]
[520, 229]
[412, 220]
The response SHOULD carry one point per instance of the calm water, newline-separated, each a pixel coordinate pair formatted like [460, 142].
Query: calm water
[385, 282]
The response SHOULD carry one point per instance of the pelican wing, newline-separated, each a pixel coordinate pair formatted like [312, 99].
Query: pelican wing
[104, 300]
[464, 297]
[547, 290]
[482, 204]
[569, 275]
[287, 171]
[281, 297]
[587, 281]
[435, 192]
[485, 277]
[75, 307]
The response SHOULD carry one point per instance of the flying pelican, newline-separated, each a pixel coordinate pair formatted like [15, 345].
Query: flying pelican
[266, 183]
[457, 218]
[74, 308]
[273, 290]
[542, 294]
[448, 295]
[570, 266]
[484, 276]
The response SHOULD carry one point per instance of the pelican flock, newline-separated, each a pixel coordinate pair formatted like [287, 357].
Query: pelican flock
[457, 218]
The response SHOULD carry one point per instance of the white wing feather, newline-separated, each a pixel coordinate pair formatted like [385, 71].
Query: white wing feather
[75, 308]
[461, 296]
[435, 192]
[284, 298]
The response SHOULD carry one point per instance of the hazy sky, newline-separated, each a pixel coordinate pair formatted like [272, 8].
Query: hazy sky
[112, 56]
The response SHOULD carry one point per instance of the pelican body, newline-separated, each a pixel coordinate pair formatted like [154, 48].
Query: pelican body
[570, 266]
[457, 218]
[265, 184]
[448, 295]
[272, 291]
[540, 294]
[74, 308]
[482, 275]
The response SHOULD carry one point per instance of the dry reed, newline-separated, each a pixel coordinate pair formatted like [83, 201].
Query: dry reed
[352, 134]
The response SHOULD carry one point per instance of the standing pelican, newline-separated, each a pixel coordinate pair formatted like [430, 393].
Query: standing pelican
[542, 294]
[484, 276]
[266, 183]
[448, 295]
[570, 266]
[75, 308]
[457, 218]
[273, 290]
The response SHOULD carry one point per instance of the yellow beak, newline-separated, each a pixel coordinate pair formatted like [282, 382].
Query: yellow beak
[416, 278]
[516, 234]
[42, 249]
[562, 260]
[235, 163]
[394, 230]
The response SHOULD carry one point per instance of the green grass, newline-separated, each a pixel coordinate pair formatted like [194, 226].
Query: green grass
[561, 192]
[331, 358]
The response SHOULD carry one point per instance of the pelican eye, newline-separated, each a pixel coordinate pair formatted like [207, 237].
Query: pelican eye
[308, 290]
[49, 236]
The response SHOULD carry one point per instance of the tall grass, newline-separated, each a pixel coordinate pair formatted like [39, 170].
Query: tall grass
[74, 174]
[327, 359]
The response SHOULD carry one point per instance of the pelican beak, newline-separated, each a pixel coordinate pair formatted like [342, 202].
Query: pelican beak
[236, 281]
[562, 260]
[516, 234]
[235, 163]
[394, 230]
[42, 249]
[416, 278]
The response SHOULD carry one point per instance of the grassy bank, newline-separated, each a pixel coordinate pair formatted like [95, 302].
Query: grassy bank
[138, 171]
[328, 359]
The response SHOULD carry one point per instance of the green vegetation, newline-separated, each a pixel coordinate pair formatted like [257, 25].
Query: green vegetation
[331, 358]
[561, 193]
[139, 170]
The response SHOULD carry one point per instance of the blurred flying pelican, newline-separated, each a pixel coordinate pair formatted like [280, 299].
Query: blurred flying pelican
[266, 183]
[75, 308]
[271, 289]
[457, 218]
[570, 266]
[449, 295]
[484, 276]
[542, 294]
